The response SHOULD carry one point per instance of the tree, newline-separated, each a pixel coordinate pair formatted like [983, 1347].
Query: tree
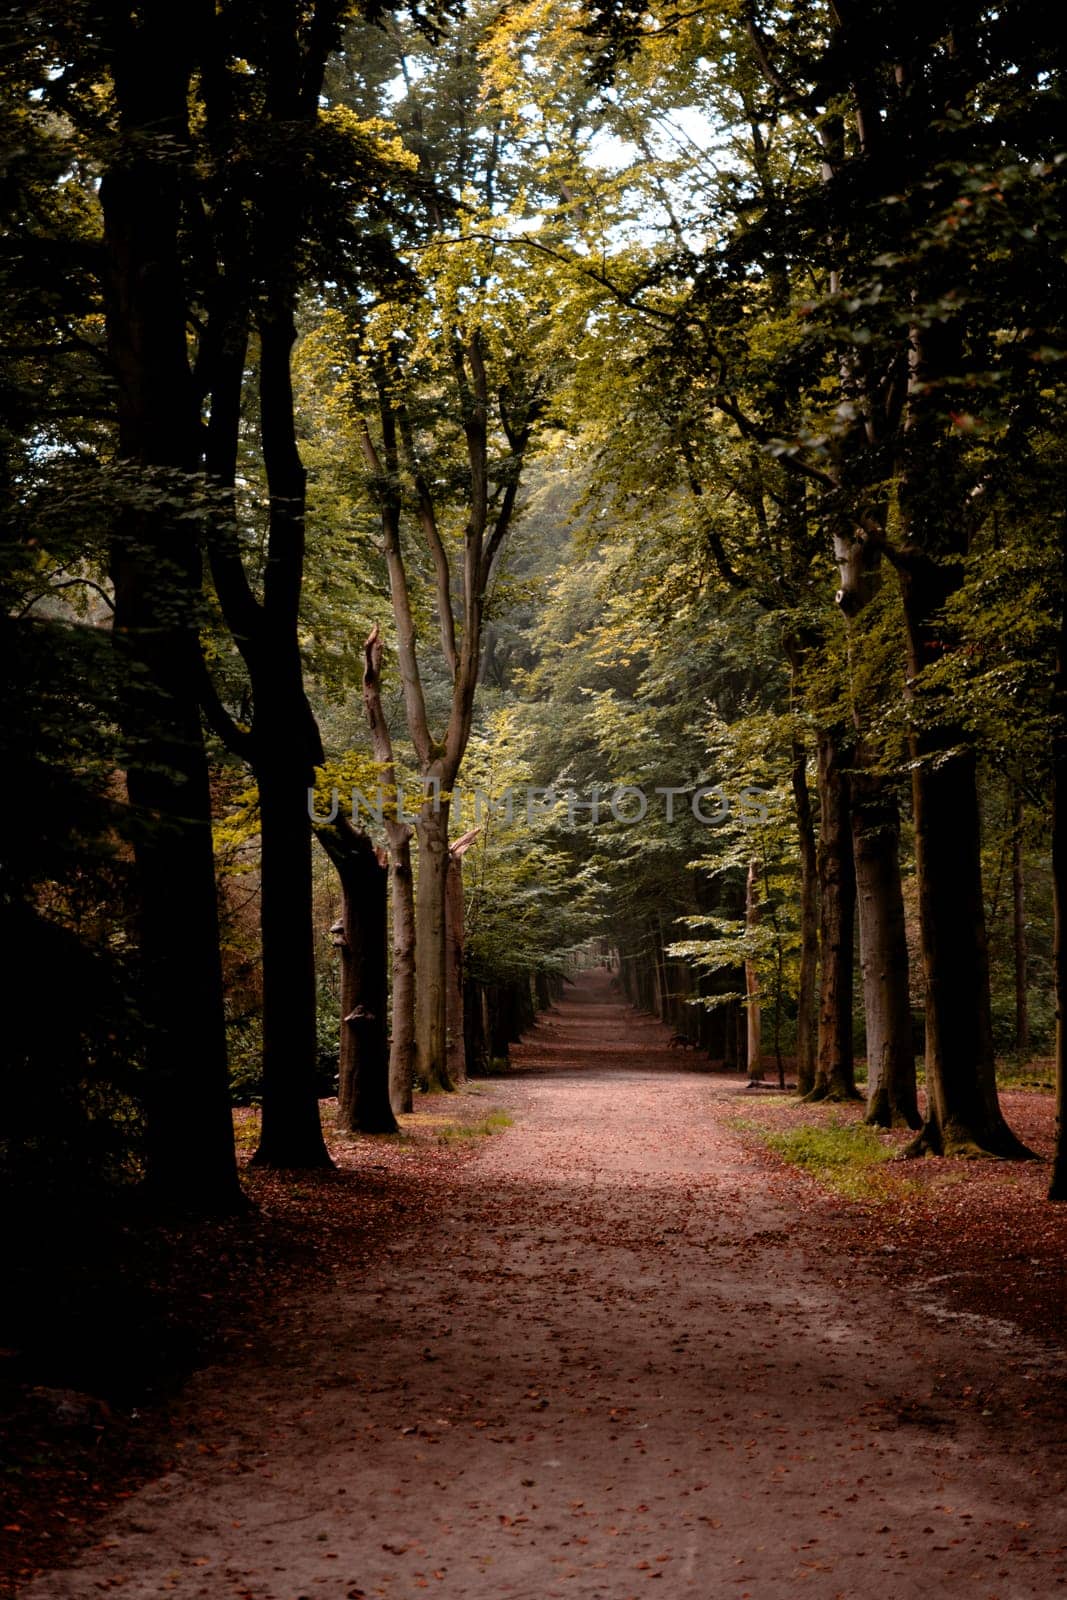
[156, 570]
[360, 934]
[402, 1042]
[266, 221]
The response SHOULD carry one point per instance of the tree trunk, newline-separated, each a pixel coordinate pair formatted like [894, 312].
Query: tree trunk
[286, 750]
[361, 938]
[474, 1039]
[834, 1073]
[190, 1163]
[892, 1099]
[753, 1056]
[291, 1134]
[500, 1021]
[544, 991]
[189, 1150]
[431, 1031]
[1018, 902]
[807, 1016]
[402, 1044]
[1058, 1183]
[661, 997]
[963, 1115]
[457, 1054]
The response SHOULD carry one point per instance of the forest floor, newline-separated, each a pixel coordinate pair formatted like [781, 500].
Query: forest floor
[618, 1347]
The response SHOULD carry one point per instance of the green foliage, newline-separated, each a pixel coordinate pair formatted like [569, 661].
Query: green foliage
[842, 1156]
[456, 1132]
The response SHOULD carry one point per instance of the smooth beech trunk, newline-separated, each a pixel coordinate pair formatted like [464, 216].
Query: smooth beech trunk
[363, 1104]
[457, 1054]
[807, 987]
[402, 1042]
[431, 1028]
[753, 1020]
[892, 1098]
[834, 1069]
[402, 888]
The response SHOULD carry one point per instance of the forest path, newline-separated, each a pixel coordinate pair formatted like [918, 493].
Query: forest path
[621, 1365]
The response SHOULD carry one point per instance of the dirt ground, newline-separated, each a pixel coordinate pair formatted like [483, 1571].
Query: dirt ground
[604, 1349]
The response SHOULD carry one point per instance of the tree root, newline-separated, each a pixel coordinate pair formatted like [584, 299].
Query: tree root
[832, 1093]
[963, 1144]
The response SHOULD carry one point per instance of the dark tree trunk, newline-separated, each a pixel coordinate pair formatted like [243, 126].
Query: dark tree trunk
[361, 938]
[660, 995]
[474, 1028]
[501, 1019]
[287, 749]
[963, 1115]
[892, 1098]
[1058, 1184]
[291, 1134]
[1018, 904]
[520, 1009]
[686, 1017]
[189, 1151]
[834, 1072]
[544, 991]
[807, 1015]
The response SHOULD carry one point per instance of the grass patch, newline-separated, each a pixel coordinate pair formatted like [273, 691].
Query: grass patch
[842, 1156]
[495, 1122]
[1038, 1075]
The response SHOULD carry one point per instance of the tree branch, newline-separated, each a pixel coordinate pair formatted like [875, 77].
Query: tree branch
[239, 741]
[389, 502]
[428, 522]
[67, 583]
[286, 478]
[397, 832]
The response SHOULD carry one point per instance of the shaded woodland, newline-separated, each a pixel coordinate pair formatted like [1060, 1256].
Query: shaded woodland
[482, 401]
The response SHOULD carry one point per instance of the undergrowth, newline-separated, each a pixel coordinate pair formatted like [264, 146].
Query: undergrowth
[842, 1156]
[495, 1122]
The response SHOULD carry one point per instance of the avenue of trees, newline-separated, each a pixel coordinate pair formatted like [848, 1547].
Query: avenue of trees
[462, 405]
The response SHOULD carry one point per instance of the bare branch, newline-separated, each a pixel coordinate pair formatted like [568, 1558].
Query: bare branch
[428, 522]
[381, 739]
[68, 583]
[389, 501]
[239, 741]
